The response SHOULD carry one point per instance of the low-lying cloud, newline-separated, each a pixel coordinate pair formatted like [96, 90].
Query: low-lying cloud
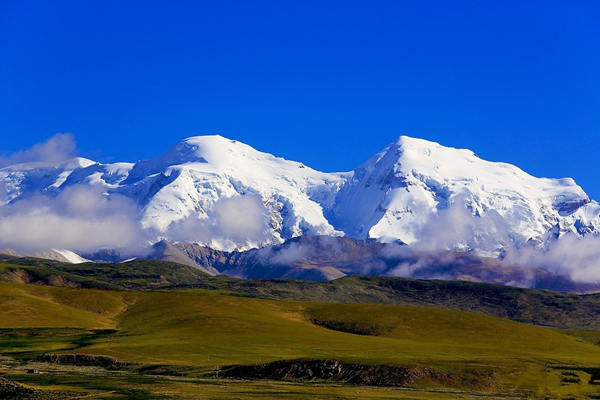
[237, 219]
[456, 228]
[300, 251]
[577, 258]
[80, 218]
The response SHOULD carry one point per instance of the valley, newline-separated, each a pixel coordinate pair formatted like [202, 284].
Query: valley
[222, 339]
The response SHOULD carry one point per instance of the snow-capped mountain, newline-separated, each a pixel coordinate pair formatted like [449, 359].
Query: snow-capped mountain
[413, 191]
[419, 192]
[192, 176]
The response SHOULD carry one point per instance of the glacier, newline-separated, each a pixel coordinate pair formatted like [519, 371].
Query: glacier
[413, 191]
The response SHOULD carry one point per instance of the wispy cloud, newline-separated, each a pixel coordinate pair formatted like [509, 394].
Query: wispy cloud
[456, 228]
[58, 148]
[577, 258]
[80, 217]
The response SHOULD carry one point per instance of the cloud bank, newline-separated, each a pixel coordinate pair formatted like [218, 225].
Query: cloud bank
[80, 218]
[456, 228]
[84, 218]
[577, 258]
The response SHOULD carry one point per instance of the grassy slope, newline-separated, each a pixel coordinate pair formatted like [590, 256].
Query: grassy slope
[227, 330]
[136, 275]
[27, 306]
[538, 307]
[205, 330]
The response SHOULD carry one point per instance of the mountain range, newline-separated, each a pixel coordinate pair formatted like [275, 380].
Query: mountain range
[226, 195]
[327, 258]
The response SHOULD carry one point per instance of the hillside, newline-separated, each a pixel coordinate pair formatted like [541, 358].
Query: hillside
[320, 258]
[540, 307]
[199, 332]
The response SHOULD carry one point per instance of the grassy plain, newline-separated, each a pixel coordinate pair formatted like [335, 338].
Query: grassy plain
[177, 339]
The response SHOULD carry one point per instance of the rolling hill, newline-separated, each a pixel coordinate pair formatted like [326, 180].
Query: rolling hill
[209, 337]
[539, 307]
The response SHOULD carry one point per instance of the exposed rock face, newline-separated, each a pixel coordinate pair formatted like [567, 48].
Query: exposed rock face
[315, 258]
[186, 254]
[83, 360]
[358, 374]
[322, 258]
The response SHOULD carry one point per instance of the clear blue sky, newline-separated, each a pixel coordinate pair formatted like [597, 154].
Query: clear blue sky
[328, 83]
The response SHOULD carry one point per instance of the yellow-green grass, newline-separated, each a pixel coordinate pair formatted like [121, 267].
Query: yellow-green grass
[206, 330]
[125, 385]
[28, 306]
[218, 329]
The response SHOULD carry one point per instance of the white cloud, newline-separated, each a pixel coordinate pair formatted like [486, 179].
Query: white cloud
[58, 148]
[233, 220]
[577, 258]
[81, 218]
[456, 228]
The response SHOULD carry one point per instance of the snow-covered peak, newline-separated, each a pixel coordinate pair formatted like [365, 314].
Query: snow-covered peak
[400, 190]
[190, 178]
[222, 154]
[405, 192]
[217, 154]
[421, 158]
[69, 164]
[70, 256]
[217, 149]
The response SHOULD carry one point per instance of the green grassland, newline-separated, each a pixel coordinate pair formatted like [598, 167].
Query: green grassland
[538, 307]
[176, 340]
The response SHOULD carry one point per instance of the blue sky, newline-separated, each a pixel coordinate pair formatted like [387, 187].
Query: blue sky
[324, 82]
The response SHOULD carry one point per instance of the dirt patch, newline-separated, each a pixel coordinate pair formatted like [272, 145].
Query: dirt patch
[359, 374]
[61, 281]
[105, 362]
[356, 328]
[17, 276]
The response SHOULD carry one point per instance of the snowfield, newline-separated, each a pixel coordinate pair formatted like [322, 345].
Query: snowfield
[227, 195]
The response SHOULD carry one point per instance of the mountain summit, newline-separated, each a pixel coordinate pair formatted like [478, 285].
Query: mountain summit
[420, 191]
[414, 191]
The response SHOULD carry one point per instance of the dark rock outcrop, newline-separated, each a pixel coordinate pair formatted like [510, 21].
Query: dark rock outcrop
[358, 374]
[84, 360]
